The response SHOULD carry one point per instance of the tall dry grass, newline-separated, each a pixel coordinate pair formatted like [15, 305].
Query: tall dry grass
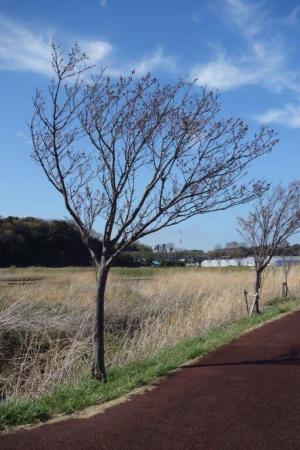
[45, 326]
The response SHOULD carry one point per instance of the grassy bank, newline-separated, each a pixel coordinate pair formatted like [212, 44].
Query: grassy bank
[87, 392]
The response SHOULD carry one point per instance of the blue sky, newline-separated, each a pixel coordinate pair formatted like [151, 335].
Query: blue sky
[249, 50]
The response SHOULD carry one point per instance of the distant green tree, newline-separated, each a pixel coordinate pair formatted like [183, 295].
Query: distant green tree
[31, 241]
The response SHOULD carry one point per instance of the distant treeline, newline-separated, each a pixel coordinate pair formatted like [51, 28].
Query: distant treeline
[55, 243]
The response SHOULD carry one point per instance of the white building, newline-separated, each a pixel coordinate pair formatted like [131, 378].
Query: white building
[276, 261]
[169, 247]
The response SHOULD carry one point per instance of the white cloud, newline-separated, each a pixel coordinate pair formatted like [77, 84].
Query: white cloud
[96, 50]
[221, 73]
[289, 116]
[20, 49]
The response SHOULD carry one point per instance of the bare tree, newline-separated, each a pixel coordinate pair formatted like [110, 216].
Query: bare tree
[274, 218]
[140, 155]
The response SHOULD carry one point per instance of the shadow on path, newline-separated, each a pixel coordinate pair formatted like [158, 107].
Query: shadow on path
[292, 357]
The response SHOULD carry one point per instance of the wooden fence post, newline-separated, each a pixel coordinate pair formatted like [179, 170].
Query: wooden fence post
[246, 300]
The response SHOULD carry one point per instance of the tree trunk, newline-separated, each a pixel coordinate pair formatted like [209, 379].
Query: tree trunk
[98, 368]
[257, 291]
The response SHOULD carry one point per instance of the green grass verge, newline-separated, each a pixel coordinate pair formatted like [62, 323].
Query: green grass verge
[87, 392]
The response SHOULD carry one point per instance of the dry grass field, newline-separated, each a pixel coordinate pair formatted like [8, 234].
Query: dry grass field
[46, 322]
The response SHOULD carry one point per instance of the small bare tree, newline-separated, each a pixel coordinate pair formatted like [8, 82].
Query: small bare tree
[274, 218]
[140, 155]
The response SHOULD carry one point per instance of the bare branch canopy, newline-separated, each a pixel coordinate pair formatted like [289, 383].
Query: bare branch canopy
[141, 155]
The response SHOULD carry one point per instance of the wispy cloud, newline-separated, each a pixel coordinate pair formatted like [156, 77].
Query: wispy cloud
[264, 65]
[289, 116]
[196, 18]
[270, 65]
[221, 73]
[24, 50]
[20, 49]
[293, 15]
[158, 60]
[263, 61]
[103, 3]
[22, 136]
[250, 17]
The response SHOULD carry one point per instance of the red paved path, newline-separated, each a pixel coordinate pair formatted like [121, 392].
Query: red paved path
[243, 396]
